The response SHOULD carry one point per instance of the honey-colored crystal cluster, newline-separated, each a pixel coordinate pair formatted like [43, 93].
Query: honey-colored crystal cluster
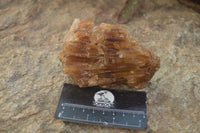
[105, 55]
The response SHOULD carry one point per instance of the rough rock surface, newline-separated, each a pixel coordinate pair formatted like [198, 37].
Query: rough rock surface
[105, 55]
[31, 76]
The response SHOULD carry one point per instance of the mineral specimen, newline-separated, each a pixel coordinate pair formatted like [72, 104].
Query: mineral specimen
[105, 55]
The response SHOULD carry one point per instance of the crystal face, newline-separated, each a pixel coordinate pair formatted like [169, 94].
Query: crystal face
[105, 55]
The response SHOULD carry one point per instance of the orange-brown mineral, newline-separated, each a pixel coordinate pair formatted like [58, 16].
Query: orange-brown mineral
[105, 55]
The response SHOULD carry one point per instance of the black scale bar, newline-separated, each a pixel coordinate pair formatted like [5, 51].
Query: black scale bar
[77, 105]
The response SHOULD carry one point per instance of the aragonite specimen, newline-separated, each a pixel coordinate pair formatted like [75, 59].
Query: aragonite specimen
[105, 55]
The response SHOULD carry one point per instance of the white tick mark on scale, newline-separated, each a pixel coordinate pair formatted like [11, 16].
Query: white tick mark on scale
[113, 119]
[59, 115]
